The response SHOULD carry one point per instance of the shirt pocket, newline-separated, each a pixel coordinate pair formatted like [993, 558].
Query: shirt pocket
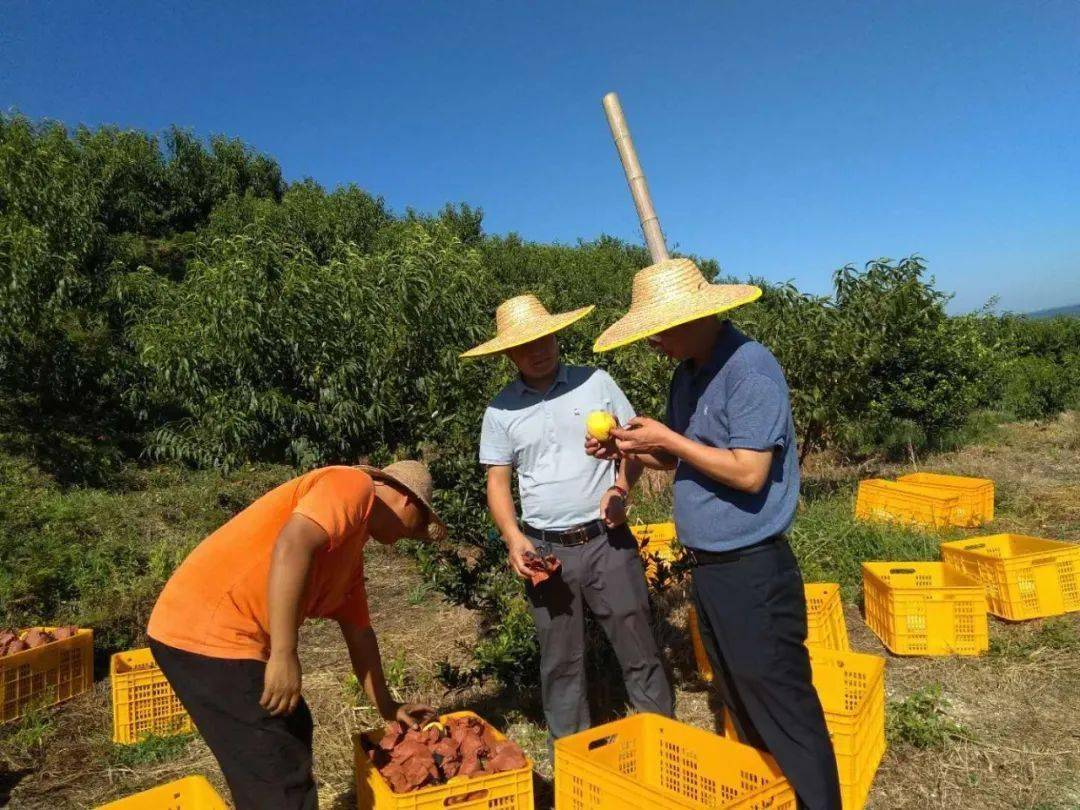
[600, 403]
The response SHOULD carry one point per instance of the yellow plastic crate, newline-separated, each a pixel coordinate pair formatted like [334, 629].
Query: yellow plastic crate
[851, 687]
[510, 790]
[650, 762]
[655, 540]
[825, 625]
[1025, 577]
[975, 496]
[925, 608]
[46, 675]
[189, 793]
[824, 622]
[143, 702]
[892, 502]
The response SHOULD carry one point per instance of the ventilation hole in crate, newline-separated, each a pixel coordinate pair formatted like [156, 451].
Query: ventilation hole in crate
[627, 757]
[596, 797]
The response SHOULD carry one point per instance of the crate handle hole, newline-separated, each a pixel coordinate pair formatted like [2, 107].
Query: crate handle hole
[974, 546]
[1044, 561]
[600, 743]
[472, 796]
[901, 570]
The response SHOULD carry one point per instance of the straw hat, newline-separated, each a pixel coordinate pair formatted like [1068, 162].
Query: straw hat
[670, 293]
[521, 320]
[415, 477]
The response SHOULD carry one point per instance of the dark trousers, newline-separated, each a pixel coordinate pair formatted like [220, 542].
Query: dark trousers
[265, 759]
[606, 574]
[752, 617]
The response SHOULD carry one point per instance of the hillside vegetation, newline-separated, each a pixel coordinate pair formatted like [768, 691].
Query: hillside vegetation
[166, 299]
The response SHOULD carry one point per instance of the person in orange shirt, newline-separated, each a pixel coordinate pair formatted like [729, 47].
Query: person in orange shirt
[224, 629]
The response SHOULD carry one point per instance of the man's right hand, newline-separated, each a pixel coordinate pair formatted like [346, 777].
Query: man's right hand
[281, 683]
[605, 451]
[518, 548]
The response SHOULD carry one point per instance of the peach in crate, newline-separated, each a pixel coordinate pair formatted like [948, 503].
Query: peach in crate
[508, 790]
[47, 674]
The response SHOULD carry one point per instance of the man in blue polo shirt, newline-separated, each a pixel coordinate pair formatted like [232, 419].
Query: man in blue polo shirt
[573, 506]
[731, 440]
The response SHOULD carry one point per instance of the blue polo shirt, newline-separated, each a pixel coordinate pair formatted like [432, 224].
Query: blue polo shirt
[542, 435]
[739, 399]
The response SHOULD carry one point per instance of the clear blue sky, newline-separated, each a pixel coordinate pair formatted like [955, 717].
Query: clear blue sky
[783, 139]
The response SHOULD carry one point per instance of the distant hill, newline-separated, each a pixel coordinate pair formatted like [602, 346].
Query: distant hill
[1070, 311]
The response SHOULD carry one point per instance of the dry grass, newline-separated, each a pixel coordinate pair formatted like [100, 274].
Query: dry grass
[1020, 704]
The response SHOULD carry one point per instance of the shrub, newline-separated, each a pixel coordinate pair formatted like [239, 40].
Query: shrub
[1037, 387]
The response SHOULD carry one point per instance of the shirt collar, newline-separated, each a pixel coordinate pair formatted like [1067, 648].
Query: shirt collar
[520, 387]
[725, 341]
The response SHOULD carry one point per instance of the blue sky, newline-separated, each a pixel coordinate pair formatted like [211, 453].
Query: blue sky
[782, 139]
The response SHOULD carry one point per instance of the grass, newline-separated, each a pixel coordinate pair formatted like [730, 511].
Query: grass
[25, 738]
[831, 545]
[150, 750]
[996, 732]
[921, 720]
[419, 594]
[1025, 641]
[98, 557]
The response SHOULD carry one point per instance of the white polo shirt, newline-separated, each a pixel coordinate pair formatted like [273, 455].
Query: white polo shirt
[542, 435]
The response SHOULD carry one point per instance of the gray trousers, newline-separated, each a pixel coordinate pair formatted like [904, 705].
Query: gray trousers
[606, 574]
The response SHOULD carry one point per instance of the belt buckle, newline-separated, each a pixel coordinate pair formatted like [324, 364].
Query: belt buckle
[580, 532]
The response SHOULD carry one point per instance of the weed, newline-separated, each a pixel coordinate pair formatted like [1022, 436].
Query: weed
[150, 750]
[921, 721]
[831, 545]
[27, 736]
[396, 670]
[398, 680]
[1058, 633]
[419, 595]
[354, 692]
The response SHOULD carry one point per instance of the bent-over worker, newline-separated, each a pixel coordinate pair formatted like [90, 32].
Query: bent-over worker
[224, 629]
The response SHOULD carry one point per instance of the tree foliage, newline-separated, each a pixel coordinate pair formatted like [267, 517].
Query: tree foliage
[178, 290]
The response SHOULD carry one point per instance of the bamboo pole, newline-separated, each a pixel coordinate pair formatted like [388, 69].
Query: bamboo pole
[635, 178]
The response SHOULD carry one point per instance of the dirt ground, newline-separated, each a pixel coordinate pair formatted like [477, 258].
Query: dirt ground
[1020, 705]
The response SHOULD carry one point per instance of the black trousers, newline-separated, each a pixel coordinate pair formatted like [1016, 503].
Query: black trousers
[265, 759]
[752, 618]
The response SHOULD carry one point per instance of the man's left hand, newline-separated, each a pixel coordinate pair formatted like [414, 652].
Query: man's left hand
[642, 435]
[613, 508]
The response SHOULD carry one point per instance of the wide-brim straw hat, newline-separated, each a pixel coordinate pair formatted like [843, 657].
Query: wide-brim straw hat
[521, 320]
[670, 293]
[415, 477]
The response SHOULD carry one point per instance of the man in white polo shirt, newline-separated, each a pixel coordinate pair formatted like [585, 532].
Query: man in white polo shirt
[573, 507]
